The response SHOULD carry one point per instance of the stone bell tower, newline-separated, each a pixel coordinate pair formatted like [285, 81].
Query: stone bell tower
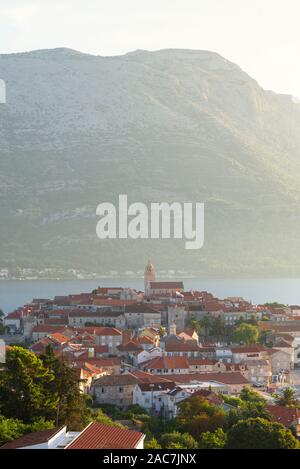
[149, 276]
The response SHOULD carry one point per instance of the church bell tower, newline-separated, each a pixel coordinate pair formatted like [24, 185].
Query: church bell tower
[149, 276]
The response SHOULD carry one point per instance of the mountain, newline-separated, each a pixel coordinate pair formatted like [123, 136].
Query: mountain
[171, 125]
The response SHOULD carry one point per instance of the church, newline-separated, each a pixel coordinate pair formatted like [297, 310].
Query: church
[154, 288]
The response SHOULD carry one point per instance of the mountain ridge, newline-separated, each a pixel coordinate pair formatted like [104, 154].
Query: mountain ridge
[161, 126]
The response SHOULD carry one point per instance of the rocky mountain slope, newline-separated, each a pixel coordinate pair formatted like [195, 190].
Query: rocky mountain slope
[171, 125]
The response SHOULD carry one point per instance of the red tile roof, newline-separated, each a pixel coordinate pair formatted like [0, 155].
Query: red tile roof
[47, 328]
[59, 338]
[112, 302]
[225, 378]
[201, 361]
[30, 439]
[168, 363]
[166, 285]
[160, 386]
[249, 349]
[182, 346]
[109, 331]
[14, 315]
[141, 308]
[131, 346]
[144, 377]
[99, 436]
[56, 321]
[144, 340]
[126, 379]
[285, 415]
[102, 362]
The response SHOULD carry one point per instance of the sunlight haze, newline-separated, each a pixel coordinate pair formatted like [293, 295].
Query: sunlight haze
[261, 37]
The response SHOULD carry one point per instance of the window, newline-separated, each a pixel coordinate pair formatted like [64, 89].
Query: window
[102, 390]
[120, 389]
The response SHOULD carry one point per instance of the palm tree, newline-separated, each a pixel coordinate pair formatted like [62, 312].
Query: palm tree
[288, 398]
[206, 324]
[162, 331]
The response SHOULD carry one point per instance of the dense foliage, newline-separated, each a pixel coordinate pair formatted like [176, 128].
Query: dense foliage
[38, 393]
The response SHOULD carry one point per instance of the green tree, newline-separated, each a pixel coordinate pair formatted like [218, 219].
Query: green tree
[245, 411]
[152, 444]
[258, 433]
[246, 333]
[25, 386]
[39, 424]
[218, 327]
[288, 398]
[231, 400]
[205, 323]
[70, 406]
[156, 426]
[249, 395]
[213, 440]
[194, 324]
[178, 440]
[197, 415]
[97, 415]
[10, 429]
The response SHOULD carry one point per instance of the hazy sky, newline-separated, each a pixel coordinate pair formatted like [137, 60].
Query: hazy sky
[262, 36]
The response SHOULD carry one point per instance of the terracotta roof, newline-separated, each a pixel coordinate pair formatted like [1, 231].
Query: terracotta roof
[160, 386]
[94, 314]
[166, 285]
[109, 331]
[126, 336]
[141, 308]
[144, 340]
[272, 351]
[41, 344]
[30, 439]
[56, 321]
[234, 377]
[60, 338]
[249, 349]
[265, 325]
[130, 347]
[14, 315]
[167, 363]
[282, 344]
[112, 302]
[116, 380]
[62, 300]
[182, 346]
[144, 377]
[201, 361]
[47, 328]
[102, 362]
[100, 436]
[285, 415]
